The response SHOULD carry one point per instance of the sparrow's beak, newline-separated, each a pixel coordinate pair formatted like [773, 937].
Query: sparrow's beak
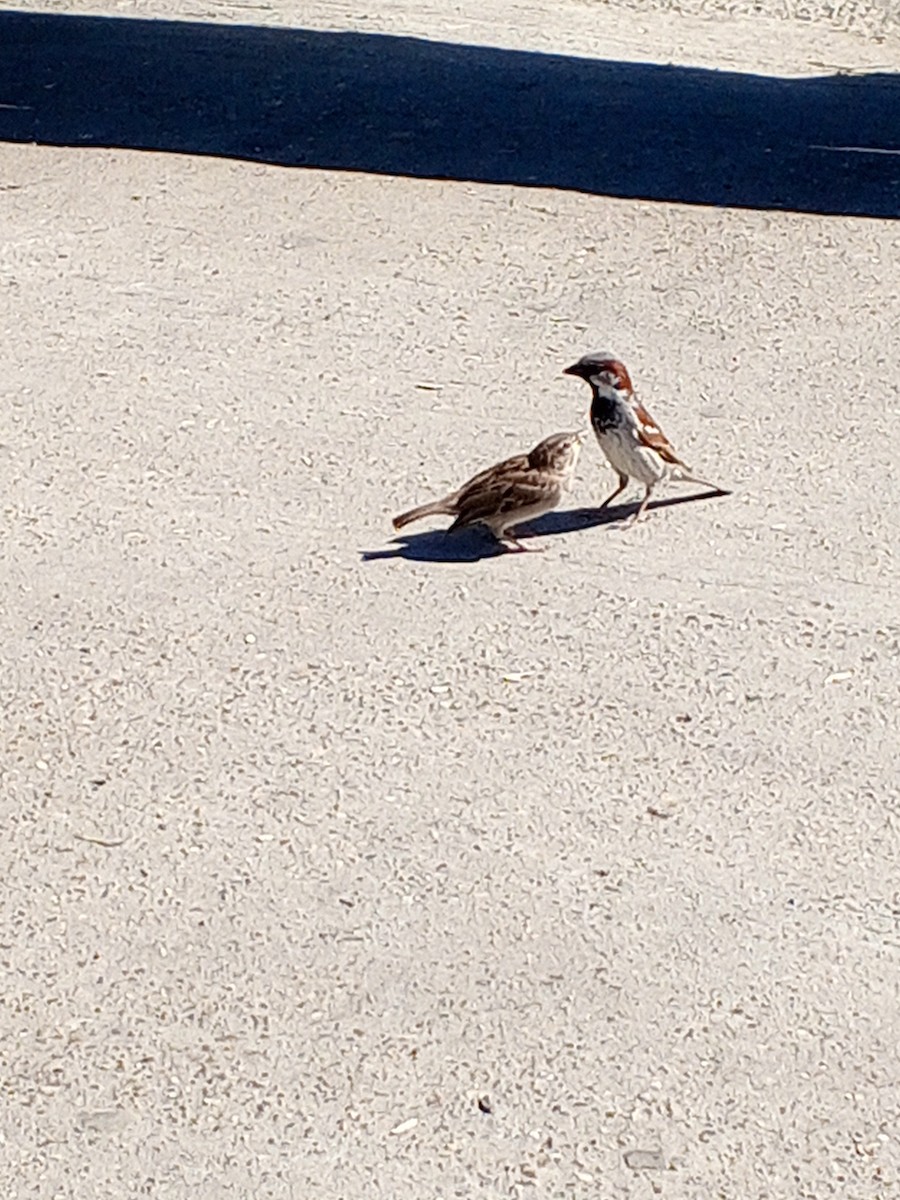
[573, 370]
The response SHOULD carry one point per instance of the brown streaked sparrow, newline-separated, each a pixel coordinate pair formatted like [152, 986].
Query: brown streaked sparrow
[518, 489]
[629, 437]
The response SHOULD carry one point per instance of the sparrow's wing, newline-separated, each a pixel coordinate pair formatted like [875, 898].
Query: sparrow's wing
[506, 492]
[649, 434]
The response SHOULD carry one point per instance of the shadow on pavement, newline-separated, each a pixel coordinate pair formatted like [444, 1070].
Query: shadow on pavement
[472, 545]
[406, 106]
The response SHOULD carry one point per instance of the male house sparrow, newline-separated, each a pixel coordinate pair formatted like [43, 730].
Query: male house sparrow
[515, 490]
[629, 437]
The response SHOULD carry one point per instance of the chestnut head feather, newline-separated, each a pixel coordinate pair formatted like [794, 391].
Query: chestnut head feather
[558, 453]
[601, 369]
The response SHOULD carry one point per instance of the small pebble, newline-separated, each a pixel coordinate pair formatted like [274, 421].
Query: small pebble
[406, 1126]
[645, 1160]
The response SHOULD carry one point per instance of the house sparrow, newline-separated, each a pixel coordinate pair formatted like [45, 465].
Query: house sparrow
[629, 437]
[515, 490]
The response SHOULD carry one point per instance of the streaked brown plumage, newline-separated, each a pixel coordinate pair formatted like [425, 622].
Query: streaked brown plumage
[518, 489]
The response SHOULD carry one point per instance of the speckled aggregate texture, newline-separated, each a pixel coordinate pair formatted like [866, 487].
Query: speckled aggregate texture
[339, 866]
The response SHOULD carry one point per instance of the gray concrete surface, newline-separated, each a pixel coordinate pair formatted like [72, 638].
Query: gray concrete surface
[340, 866]
[868, 18]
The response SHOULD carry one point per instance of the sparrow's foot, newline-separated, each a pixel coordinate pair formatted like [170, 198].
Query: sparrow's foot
[520, 547]
[642, 508]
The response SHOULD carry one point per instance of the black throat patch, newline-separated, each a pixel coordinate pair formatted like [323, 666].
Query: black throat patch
[604, 412]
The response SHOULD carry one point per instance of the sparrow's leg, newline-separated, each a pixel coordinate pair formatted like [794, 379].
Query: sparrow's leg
[623, 484]
[646, 500]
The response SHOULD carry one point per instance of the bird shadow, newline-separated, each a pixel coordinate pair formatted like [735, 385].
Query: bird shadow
[472, 545]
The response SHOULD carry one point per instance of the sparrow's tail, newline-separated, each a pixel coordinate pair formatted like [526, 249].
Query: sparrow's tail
[713, 487]
[445, 507]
